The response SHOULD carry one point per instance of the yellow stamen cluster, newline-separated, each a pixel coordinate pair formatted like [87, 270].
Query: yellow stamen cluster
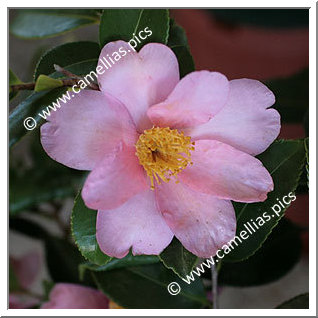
[163, 153]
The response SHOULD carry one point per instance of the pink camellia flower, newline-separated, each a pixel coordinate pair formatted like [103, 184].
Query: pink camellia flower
[166, 155]
[72, 296]
[26, 270]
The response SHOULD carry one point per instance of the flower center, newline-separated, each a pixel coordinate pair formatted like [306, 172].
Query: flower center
[163, 153]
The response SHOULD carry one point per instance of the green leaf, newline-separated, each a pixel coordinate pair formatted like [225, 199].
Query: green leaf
[116, 263]
[112, 27]
[292, 96]
[185, 60]
[44, 83]
[270, 18]
[177, 258]
[65, 55]
[298, 302]
[30, 107]
[303, 183]
[179, 44]
[43, 23]
[13, 80]
[83, 224]
[80, 68]
[146, 287]
[177, 35]
[25, 198]
[284, 159]
[280, 252]
[37, 102]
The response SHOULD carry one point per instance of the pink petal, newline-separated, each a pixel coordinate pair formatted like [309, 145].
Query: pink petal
[114, 180]
[139, 80]
[22, 301]
[87, 128]
[201, 222]
[198, 97]
[137, 224]
[26, 268]
[221, 170]
[71, 296]
[245, 122]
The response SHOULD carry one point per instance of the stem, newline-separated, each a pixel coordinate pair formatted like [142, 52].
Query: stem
[69, 74]
[31, 86]
[214, 274]
[65, 72]
[72, 80]
[24, 86]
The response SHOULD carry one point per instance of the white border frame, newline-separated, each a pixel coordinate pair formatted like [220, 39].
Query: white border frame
[312, 182]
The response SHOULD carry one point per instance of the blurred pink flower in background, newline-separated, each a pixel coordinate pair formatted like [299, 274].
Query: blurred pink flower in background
[72, 296]
[137, 133]
[62, 295]
[26, 270]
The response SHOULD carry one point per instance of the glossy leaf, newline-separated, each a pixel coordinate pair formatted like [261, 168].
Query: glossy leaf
[186, 63]
[177, 258]
[24, 197]
[84, 232]
[43, 23]
[65, 55]
[298, 302]
[179, 44]
[146, 287]
[116, 263]
[81, 68]
[30, 107]
[112, 27]
[177, 35]
[284, 159]
[37, 102]
[278, 255]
